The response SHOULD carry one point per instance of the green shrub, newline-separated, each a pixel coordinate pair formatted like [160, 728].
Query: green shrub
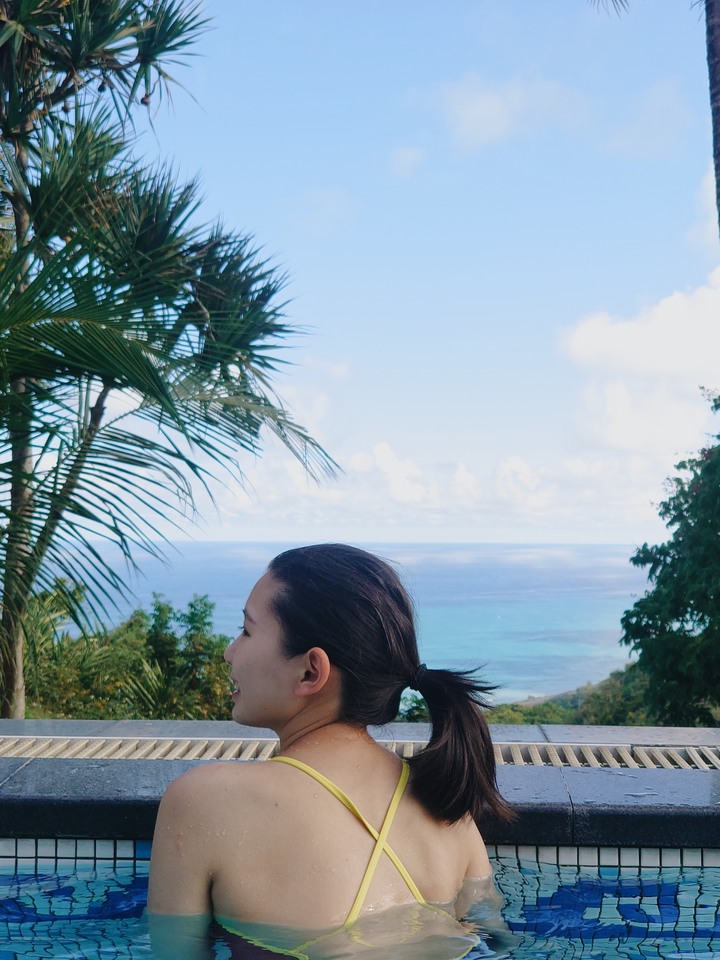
[619, 700]
[162, 665]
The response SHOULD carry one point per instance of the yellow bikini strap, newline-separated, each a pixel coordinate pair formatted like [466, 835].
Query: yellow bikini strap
[380, 845]
[380, 838]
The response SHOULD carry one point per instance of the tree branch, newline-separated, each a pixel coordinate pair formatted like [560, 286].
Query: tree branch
[46, 534]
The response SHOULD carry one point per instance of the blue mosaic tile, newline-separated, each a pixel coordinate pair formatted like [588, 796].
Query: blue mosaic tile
[143, 849]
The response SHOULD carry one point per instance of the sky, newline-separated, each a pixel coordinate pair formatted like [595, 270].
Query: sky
[496, 219]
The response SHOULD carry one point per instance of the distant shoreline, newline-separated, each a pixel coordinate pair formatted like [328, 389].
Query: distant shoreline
[620, 699]
[578, 692]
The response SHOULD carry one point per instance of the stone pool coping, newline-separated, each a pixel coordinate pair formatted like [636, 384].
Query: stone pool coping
[556, 806]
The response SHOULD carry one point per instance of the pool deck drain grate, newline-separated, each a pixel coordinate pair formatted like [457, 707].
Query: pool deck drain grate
[518, 753]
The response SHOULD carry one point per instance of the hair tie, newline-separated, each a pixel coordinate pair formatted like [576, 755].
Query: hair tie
[417, 677]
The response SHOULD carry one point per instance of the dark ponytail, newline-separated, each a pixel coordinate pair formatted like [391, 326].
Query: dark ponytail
[455, 774]
[353, 605]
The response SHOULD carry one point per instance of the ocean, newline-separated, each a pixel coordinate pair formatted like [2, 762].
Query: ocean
[542, 619]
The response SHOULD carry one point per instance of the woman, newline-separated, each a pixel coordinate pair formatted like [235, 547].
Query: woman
[337, 829]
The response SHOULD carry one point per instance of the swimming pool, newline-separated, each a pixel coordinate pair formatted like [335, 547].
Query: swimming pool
[94, 909]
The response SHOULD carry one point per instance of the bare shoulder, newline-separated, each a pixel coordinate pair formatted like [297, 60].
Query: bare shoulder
[199, 813]
[208, 784]
[212, 772]
[478, 865]
[191, 799]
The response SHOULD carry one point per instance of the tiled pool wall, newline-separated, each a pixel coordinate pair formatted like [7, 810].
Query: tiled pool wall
[31, 849]
[615, 857]
[68, 851]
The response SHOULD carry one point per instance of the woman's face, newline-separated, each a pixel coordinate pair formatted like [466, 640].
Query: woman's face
[263, 677]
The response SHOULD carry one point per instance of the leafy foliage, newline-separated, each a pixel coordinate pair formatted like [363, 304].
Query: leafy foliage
[544, 712]
[413, 709]
[165, 664]
[137, 347]
[675, 626]
[618, 700]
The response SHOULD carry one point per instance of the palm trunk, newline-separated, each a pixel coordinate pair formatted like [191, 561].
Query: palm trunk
[16, 588]
[15, 585]
[712, 38]
[24, 557]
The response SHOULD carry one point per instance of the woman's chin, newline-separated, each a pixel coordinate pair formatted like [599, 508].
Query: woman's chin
[244, 717]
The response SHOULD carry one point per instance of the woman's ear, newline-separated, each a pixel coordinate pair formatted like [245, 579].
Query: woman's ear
[316, 672]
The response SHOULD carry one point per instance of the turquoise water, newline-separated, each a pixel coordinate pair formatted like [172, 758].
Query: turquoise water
[570, 912]
[544, 618]
[95, 911]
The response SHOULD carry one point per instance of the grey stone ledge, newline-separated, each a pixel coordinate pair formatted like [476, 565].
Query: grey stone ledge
[555, 806]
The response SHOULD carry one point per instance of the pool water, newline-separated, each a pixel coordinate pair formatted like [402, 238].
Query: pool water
[87, 910]
[608, 912]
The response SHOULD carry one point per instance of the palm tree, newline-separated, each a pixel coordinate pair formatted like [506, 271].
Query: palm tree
[136, 348]
[712, 43]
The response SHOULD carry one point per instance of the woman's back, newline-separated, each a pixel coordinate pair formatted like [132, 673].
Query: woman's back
[279, 847]
[327, 647]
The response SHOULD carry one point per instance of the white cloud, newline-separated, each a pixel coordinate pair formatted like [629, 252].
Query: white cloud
[703, 234]
[361, 462]
[638, 411]
[480, 112]
[521, 485]
[402, 476]
[309, 406]
[649, 417]
[404, 161]
[464, 484]
[642, 403]
[678, 338]
[382, 496]
[655, 122]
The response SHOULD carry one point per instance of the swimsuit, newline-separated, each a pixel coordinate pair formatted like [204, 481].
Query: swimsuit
[381, 846]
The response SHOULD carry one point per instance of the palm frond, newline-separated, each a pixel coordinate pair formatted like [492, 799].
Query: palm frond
[136, 346]
[167, 27]
[158, 692]
[618, 5]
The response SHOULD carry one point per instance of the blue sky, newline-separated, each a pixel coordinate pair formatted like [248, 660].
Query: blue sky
[496, 217]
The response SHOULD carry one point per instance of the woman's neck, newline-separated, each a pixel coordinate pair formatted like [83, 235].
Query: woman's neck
[322, 734]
